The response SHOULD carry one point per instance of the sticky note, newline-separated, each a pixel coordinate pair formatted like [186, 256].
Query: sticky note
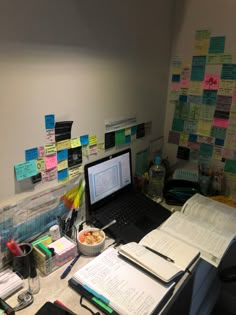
[49, 121]
[25, 170]
[62, 155]
[84, 140]
[31, 154]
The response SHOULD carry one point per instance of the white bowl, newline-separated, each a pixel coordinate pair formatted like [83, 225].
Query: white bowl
[91, 249]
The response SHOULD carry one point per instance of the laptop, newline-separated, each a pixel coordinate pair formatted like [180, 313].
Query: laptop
[110, 195]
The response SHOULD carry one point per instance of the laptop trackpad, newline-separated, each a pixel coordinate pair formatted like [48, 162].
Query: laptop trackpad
[133, 232]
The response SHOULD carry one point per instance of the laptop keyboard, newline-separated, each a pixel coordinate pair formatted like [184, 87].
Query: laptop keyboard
[124, 210]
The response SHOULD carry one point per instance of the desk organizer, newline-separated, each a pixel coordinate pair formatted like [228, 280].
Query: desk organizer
[65, 249]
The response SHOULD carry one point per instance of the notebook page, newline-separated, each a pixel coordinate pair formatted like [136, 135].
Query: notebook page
[130, 291]
[182, 253]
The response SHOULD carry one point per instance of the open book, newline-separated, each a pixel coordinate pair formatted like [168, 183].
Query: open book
[160, 254]
[119, 285]
[206, 224]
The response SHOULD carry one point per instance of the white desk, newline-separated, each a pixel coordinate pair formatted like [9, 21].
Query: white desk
[53, 288]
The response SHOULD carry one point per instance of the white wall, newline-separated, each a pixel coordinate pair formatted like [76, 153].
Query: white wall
[190, 15]
[85, 61]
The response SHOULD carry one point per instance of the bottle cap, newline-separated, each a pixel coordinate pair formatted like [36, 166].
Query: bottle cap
[157, 160]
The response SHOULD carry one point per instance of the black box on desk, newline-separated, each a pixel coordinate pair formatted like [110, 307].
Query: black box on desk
[7, 308]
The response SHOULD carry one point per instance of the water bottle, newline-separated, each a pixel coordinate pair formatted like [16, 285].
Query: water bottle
[156, 180]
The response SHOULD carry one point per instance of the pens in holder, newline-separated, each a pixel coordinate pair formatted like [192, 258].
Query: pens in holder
[14, 248]
[68, 269]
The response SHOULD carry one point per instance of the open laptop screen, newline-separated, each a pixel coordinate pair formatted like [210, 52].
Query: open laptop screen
[108, 176]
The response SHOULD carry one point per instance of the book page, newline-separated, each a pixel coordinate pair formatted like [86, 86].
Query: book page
[130, 291]
[208, 239]
[182, 254]
[211, 211]
[150, 261]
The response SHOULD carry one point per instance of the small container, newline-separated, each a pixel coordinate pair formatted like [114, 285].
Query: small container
[55, 232]
[156, 180]
[34, 283]
[91, 249]
[22, 264]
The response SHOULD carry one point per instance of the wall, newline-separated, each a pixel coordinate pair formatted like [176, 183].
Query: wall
[191, 16]
[218, 19]
[84, 61]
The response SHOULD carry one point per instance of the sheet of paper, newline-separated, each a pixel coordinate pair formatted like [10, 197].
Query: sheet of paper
[162, 242]
[202, 236]
[210, 210]
[129, 291]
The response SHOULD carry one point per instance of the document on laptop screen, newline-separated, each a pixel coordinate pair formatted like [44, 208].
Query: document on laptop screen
[109, 176]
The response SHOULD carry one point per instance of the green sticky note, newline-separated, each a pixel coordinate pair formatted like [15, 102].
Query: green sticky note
[103, 305]
[217, 44]
[178, 125]
[120, 137]
[230, 166]
[206, 149]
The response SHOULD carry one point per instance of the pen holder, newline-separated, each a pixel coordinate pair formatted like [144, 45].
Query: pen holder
[23, 264]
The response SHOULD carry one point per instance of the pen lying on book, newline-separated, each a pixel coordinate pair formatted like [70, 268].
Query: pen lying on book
[68, 269]
[159, 254]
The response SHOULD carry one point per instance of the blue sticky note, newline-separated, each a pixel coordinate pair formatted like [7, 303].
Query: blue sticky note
[133, 130]
[84, 140]
[49, 121]
[183, 98]
[219, 142]
[31, 154]
[25, 170]
[62, 155]
[63, 174]
[128, 139]
[192, 138]
[176, 78]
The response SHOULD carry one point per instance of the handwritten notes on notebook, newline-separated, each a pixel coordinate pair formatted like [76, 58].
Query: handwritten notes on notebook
[128, 290]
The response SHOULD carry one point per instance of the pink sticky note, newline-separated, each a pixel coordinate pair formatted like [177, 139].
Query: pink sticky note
[41, 151]
[220, 122]
[175, 86]
[50, 161]
[211, 82]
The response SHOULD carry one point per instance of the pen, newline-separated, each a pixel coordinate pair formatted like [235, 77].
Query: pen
[160, 254]
[68, 269]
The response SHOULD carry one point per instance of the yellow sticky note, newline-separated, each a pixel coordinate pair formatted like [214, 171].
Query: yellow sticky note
[75, 142]
[64, 144]
[93, 140]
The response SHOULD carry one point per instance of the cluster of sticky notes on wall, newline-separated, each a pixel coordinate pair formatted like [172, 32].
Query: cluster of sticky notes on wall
[62, 156]
[59, 158]
[203, 95]
[124, 132]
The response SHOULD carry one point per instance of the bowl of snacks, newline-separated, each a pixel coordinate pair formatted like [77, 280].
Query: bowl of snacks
[91, 241]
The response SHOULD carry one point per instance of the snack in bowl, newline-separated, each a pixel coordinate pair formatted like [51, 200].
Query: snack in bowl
[91, 241]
